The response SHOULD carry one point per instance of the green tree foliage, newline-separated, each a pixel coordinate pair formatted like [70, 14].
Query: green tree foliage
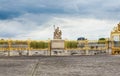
[2, 41]
[39, 44]
[101, 40]
[71, 44]
[17, 42]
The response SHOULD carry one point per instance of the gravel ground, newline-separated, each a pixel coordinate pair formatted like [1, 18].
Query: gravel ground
[98, 65]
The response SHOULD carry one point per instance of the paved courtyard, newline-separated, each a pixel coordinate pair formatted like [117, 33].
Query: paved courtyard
[98, 65]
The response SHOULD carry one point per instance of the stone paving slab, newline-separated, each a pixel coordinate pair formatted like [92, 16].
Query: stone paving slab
[97, 65]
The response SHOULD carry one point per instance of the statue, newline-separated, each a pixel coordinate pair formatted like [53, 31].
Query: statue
[57, 33]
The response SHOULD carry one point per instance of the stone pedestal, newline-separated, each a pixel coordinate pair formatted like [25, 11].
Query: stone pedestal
[57, 47]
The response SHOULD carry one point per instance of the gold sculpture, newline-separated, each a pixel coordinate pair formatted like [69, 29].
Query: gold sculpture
[114, 42]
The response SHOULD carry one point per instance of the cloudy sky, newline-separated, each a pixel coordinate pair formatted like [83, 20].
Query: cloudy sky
[34, 19]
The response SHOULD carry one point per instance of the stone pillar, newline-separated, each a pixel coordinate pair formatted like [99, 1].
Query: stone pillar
[28, 51]
[87, 52]
[57, 45]
[9, 46]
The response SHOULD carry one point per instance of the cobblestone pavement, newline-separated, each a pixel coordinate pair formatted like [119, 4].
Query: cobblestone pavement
[98, 65]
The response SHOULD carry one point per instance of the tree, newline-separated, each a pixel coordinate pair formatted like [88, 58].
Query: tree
[71, 44]
[39, 44]
[101, 40]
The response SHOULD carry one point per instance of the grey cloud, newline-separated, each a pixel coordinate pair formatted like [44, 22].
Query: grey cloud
[26, 16]
[108, 9]
[24, 25]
